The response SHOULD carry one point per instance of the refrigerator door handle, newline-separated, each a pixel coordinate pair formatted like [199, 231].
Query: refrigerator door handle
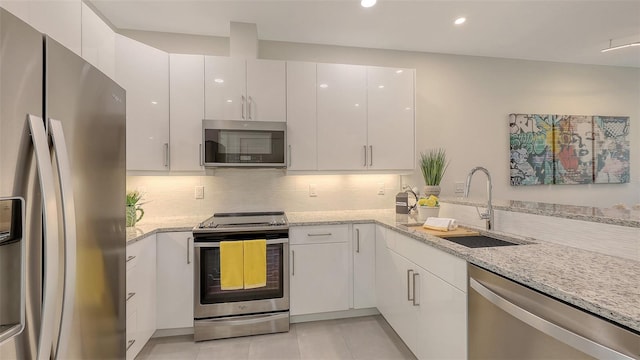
[69, 223]
[50, 234]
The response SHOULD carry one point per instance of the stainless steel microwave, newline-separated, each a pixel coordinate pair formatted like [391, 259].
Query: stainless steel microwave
[231, 143]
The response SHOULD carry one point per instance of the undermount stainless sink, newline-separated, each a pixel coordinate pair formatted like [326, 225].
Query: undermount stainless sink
[478, 241]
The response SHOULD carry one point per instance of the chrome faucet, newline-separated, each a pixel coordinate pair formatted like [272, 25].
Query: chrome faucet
[488, 216]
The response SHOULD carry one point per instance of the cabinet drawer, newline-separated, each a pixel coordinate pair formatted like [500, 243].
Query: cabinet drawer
[319, 234]
[133, 252]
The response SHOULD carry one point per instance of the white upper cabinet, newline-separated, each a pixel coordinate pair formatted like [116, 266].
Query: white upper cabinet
[239, 89]
[61, 20]
[144, 73]
[98, 42]
[342, 117]
[390, 106]
[266, 90]
[186, 91]
[301, 116]
[225, 88]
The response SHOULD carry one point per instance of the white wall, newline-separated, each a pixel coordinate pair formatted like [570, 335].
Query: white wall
[463, 102]
[260, 190]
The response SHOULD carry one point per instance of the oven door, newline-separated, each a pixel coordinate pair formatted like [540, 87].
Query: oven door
[211, 301]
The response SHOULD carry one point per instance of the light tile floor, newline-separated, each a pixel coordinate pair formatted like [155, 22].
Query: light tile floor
[368, 337]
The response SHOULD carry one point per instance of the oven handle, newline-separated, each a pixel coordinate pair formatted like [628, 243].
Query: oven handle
[215, 244]
[247, 320]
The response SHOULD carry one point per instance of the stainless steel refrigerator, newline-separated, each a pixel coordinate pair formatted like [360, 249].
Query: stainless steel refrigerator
[62, 188]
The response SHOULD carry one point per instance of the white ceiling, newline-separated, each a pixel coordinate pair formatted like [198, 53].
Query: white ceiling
[562, 30]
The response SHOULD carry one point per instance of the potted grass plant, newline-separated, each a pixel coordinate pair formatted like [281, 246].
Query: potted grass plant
[433, 165]
[133, 207]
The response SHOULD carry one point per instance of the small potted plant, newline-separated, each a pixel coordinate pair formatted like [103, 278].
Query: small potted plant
[433, 165]
[428, 207]
[133, 207]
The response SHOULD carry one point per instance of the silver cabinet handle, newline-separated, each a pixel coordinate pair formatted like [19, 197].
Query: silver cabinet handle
[200, 154]
[130, 295]
[289, 155]
[415, 298]
[249, 103]
[409, 272]
[166, 154]
[188, 250]
[293, 262]
[370, 155]
[50, 241]
[365, 155]
[130, 343]
[357, 240]
[243, 104]
[561, 334]
[69, 224]
[130, 257]
[320, 234]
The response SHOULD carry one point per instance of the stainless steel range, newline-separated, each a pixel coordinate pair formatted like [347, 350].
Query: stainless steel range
[229, 313]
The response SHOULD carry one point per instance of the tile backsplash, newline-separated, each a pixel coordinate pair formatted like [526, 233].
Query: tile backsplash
[262, 189]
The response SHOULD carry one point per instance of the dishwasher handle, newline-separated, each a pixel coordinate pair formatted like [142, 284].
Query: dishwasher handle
[559, 333]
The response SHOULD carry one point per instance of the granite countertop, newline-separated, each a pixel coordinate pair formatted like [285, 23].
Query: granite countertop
[614, 216]
[602, 284]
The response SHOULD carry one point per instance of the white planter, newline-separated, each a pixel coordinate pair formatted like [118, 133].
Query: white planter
[427, 211]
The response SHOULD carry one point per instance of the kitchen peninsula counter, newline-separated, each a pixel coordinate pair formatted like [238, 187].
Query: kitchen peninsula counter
[602, 284]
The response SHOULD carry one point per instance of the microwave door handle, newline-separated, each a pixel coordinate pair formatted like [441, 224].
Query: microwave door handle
[242, 105]
[50, 232]
[249, 103]
[200, 154]
[70, 235]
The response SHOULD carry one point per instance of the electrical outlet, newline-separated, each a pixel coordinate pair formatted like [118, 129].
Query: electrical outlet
[312, 190]
[380, 188]
[199, 192]
[459, 187]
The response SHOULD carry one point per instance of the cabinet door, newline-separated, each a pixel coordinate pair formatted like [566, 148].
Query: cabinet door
[364, 265]
[186, 90]
[442, 320]
[391, 130]
[225, 88]
[175, 288]
[146, 284]
[98, 42]
[319, 278]
[342, 117]
[301, 115]
[144, 73]
[266, 90]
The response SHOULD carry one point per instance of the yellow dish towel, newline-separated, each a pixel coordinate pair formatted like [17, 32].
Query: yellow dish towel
[231, 268]
[255, 263]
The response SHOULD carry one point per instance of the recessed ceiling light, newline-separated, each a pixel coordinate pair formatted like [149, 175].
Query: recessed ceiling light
[398, 71]
[324, 86]
[219, 81]
[367, 3]
[154, 102]
[380, 86]
[460, 20]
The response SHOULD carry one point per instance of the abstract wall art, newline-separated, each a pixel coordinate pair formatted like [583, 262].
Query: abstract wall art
[568, 149]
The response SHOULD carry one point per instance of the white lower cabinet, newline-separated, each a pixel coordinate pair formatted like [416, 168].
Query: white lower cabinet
[427, 312]
[364, 265]
[175, 280]
[319, 269]
[141, 294]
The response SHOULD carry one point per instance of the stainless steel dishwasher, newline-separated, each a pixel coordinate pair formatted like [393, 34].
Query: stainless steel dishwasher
[511, 321]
